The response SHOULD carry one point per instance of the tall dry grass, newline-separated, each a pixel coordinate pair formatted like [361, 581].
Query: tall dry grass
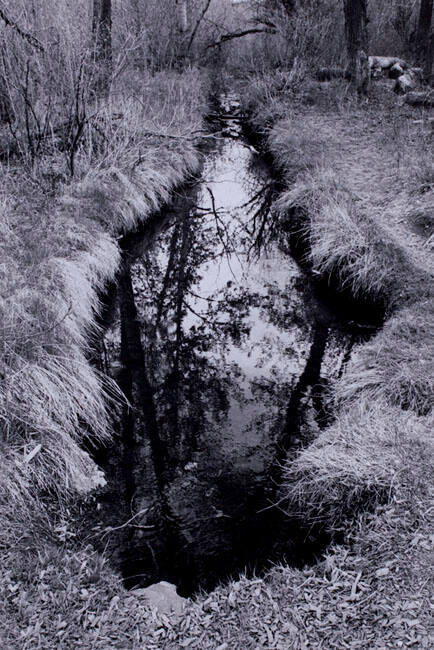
[397, 365]
[50, 396]
[354, 176]
[371, 452]
[59, 248]
[343, 243]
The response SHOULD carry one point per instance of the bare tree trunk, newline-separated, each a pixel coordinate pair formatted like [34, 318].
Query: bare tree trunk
[140, 30]
[102, 30]
[424, 41]
[182, 16]
[356, 30]
[6, 111]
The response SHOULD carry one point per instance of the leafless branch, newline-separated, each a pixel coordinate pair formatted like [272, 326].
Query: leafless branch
[221, 227]
[229, 37]
[32, 40]
[111, 529]
[196, 27]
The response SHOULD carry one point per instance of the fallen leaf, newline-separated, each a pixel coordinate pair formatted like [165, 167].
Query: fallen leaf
[380, 573]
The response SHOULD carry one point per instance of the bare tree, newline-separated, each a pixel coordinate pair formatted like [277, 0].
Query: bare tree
[424, 40]
[6, 109]
[198, 22]
[102, 30]
[356, 31]
[24, 34]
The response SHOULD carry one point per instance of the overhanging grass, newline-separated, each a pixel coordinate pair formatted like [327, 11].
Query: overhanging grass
[356, 179]
[49, 394]
[397, 365]
[370, 451]
[122, 198]
[297, 151]
[344, 244]
[350, 184]
[373, 595]
[57, 254]
[355, 175]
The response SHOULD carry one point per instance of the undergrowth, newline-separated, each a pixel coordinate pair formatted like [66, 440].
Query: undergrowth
[341, 243]
[371, 450]
[396, 365]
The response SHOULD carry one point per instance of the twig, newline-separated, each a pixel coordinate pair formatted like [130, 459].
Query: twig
[111, 529]
[354, 587]
[219, 226]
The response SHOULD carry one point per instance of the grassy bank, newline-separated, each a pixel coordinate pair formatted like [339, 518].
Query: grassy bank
[360, 180]
[59, 248]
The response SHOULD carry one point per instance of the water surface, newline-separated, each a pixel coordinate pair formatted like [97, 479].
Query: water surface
[237, 351]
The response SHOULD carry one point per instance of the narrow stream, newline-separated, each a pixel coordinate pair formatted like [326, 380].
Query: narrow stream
[225, 352]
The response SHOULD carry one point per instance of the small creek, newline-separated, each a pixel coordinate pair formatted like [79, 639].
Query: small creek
[225, 351]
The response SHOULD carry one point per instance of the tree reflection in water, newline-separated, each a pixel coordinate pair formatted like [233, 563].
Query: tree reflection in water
[224, 331]
[229, 328]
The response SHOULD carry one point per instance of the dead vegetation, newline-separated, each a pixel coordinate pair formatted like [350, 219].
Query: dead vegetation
[58, 251]
[376, 595]
[366, 477]
[396, 365]
[343, 244]
[370, 451]
[354, 173]
[360, 198]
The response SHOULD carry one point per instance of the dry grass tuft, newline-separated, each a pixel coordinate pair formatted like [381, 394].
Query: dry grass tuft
[58, 250]
[297, 152]
[371, 450]
[121, 199]
[50, 396]
[342, 243]
[397, 365]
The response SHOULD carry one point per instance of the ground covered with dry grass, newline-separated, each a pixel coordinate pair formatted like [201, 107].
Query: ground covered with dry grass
[360, 189]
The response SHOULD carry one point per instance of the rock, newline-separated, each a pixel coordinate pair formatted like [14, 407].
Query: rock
[385, 62]
[396, 71]
[408, 81]
[381, 64]
[162, 596]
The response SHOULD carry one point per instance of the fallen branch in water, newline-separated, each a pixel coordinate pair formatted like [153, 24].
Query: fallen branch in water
[111, 529]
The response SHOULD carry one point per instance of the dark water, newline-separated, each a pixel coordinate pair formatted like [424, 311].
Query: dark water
[226, 354]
